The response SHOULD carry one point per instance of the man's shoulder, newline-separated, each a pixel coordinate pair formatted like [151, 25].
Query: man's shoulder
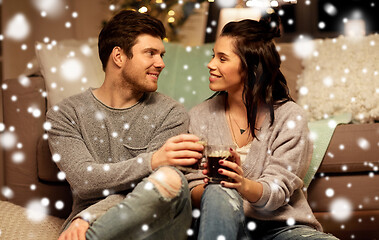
[72, 102]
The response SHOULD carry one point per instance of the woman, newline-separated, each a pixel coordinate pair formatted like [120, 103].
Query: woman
[253, 110]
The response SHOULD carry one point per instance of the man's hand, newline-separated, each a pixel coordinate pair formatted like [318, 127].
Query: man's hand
[76, 231]
[181, 150]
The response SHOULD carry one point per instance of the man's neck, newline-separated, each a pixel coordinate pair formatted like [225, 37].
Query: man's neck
[116, 95]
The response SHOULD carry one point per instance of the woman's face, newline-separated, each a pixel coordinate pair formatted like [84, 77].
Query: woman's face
[224, 67]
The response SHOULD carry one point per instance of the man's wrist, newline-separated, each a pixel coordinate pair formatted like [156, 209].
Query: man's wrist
[154, 160]
[80, 220]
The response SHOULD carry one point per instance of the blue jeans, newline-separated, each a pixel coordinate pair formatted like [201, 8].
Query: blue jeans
[146, 214]
[222, 217]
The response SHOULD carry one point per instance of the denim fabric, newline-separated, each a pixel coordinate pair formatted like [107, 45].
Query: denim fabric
[146, 214]
[266, 230]
[221, 213]
[222, 217]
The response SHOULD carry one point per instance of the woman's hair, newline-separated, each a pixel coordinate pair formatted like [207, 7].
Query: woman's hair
[122, 31]
[260, 62]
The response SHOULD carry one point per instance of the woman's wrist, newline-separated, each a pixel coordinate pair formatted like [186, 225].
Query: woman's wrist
[251, 190]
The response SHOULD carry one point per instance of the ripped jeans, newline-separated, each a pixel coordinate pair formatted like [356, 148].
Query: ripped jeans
[153, 210]
[222, 217]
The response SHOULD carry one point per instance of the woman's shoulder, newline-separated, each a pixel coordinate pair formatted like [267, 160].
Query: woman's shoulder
[208, 106]
[290, 111]
[289, 107]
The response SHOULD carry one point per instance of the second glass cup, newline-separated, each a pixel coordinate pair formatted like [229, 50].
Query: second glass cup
[215, 153]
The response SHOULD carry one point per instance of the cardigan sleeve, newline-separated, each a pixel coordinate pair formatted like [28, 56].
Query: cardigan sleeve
[288, 158]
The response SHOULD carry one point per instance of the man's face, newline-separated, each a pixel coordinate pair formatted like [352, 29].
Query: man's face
[142, 70]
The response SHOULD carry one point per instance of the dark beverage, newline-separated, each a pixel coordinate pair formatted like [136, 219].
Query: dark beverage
[213, 167]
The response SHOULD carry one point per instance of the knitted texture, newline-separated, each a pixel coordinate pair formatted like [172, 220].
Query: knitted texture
[15, 224]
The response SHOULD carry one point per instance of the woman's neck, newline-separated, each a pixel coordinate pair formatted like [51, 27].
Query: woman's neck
[235, 104]
[236, 113]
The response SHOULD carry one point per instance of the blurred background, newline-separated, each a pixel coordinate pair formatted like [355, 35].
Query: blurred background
[23, 22]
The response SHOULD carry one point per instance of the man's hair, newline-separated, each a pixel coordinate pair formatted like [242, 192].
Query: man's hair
[122, 31]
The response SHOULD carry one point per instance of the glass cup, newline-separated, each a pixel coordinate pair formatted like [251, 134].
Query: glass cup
[197, 165]
[215, 153]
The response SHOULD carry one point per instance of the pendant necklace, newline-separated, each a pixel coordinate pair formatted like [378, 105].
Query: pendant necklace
[241, 129]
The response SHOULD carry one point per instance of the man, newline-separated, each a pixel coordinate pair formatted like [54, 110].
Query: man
[118, 143]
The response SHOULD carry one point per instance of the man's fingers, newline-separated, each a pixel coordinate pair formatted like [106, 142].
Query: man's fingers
[184, 138]
[185, 161]
[193, 146]
[74, 236]
[82, 234]
[186, 154]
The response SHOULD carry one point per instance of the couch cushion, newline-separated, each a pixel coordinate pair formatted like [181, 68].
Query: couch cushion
[69, 67]
[347, 204]
[46, 168]
[16, 223]
[353, 148]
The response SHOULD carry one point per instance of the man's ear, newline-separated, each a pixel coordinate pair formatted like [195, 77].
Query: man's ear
[118, 57]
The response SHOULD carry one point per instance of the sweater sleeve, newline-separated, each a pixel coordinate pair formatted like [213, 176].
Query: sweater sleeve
[90, 179]
[198, 128]
[288, 156]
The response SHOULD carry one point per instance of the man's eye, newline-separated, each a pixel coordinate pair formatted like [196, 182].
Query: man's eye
[222, 59]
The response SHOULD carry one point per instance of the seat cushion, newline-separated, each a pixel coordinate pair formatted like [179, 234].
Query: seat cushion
[16, 223]
[353, 148]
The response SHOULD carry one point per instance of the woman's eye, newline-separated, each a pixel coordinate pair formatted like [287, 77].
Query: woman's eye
[222, 59]
[213, 56]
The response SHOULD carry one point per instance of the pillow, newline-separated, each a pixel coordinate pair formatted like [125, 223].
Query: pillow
[69, 67]
[342, 75]
[321, 133]
[185, 77]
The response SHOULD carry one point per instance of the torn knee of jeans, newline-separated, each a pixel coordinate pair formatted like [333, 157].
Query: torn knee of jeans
[233, 199]
[167, 181]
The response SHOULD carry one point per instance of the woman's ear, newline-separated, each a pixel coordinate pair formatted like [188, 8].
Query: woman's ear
[118, 57]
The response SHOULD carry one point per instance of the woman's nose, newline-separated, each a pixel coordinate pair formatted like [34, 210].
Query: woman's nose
[211, 65]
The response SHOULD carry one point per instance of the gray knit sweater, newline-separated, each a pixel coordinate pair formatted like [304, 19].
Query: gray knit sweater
[104, 150]
[279, 160]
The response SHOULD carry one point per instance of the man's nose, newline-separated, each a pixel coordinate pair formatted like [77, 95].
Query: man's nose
[160, 63]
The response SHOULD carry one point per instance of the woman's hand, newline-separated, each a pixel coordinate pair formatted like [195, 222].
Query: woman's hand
[249, 189]
[237, 174]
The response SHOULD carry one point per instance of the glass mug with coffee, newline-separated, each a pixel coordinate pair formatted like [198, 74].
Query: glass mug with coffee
[215, 153]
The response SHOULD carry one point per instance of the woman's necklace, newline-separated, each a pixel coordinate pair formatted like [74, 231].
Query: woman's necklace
[241, 129]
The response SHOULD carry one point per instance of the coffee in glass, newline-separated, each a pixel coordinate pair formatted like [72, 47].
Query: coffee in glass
[215, 153]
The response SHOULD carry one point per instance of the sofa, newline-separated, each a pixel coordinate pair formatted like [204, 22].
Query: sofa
[343, 183]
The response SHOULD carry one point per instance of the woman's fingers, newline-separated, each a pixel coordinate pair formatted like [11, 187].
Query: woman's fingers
[231, 165]
[236, 156]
